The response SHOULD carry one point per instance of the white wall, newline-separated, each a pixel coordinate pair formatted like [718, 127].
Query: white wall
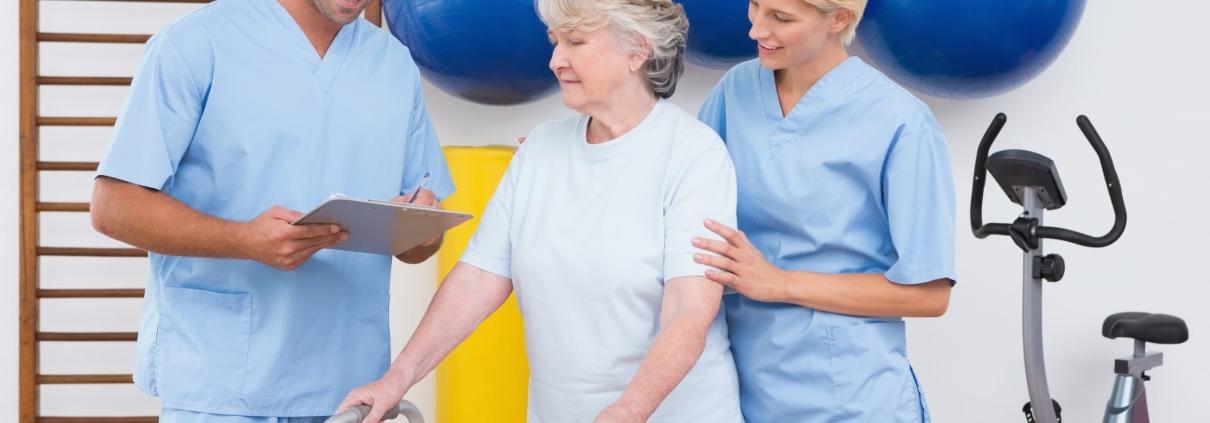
[1137, 73]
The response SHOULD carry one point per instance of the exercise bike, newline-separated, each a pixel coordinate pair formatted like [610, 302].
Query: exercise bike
[1032, 181]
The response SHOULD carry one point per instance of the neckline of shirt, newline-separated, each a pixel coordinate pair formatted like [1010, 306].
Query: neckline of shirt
[323, 68]
[826, 88]
[612, 147]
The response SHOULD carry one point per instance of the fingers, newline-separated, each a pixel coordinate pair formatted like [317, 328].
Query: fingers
[295, 253]
[312, 231]
[377, 411]
[282, 213]
[297, 258]
[349, 401]
[727, 279]
[715, 246]
[305, 248]
[734, 237]
[323, 241]
[716, 262]
[425, 198]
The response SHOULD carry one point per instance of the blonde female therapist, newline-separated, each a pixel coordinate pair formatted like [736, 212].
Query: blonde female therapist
[846, 222]
[591, 226]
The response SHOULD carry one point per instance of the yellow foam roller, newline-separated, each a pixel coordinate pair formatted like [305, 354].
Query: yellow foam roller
[484, 379]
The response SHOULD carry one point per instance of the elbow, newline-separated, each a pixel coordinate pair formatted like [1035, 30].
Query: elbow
[106, 209]
[103, 220]
[938, 302]
[98, 221]
[99, 211]
[937, 308]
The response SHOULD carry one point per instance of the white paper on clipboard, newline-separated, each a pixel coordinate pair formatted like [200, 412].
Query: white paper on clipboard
[382, 227]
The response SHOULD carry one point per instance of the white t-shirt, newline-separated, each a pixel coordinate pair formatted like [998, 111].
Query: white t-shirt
[589, 233]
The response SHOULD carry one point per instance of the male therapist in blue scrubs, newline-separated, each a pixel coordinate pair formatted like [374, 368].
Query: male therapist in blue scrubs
[241, 114]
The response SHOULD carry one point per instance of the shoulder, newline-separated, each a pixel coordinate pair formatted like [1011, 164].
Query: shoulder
[192, 32]
[370, 36]
[690, 137]
[556, 128]
[740, 79]
[551, 134]
[742, 74]
[885, 97]
[189, 40]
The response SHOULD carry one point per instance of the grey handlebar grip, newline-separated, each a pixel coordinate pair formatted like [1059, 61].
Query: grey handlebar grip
[357, 413]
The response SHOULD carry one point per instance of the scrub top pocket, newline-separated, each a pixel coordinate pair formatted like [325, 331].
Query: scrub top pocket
[203, 360]
[871, 378]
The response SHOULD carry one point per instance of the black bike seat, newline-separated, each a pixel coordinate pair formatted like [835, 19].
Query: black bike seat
[1146, 327]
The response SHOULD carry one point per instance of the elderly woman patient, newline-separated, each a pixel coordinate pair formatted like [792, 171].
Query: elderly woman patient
[592, 227]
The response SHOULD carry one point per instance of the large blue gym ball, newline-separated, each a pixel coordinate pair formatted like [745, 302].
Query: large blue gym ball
[718, 33]
[486, 51]
[966, 48]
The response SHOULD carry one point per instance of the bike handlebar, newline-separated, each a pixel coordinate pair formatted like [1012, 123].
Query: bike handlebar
[1107, 169]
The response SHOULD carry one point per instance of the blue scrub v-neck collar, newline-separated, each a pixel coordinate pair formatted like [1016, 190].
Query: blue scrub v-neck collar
[829, 87]
[326, 68]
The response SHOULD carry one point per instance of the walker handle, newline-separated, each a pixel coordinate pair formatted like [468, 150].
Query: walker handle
[357, 413]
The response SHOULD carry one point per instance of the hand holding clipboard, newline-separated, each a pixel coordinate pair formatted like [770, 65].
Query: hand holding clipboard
[382, 227]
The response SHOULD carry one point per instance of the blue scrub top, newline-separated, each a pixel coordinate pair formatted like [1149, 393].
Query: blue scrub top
[232, 112]
[855, 179]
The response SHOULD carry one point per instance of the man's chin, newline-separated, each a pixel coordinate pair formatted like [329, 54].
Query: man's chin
[346, 19]
[343, 16]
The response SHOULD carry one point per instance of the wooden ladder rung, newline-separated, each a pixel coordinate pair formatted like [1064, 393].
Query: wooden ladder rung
[87, 336]
[78, 166]
[74, 37]
[90, 293]
[45, 419]
[75, 121]
[91, 252]
[83, 80]
[83, 379]
[63, 207]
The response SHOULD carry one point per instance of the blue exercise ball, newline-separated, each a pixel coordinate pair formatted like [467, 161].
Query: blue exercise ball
[718, 33]
[966, 48]
[486, 51]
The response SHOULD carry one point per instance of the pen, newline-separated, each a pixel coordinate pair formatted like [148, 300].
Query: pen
[423, 181]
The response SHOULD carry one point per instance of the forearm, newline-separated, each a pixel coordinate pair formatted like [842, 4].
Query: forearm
[466, 297]
[865, 294]
[689, 308]
[673, 354]
[155, 221]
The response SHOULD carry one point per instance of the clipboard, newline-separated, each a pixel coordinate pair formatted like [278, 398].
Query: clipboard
[382, 227]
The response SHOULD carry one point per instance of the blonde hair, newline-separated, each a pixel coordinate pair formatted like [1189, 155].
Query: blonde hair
[660, 25]
[855, 7]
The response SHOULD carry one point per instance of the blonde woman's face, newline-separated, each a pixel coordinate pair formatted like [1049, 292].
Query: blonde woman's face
[590, 66]
[790, 32]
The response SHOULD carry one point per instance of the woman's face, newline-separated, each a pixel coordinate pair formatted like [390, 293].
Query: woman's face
[592, 67]
[790, 32]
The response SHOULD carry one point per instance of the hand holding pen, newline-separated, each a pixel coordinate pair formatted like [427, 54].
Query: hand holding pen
[421, 196]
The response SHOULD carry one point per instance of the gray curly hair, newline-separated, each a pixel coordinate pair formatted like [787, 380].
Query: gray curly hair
[656, 27]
